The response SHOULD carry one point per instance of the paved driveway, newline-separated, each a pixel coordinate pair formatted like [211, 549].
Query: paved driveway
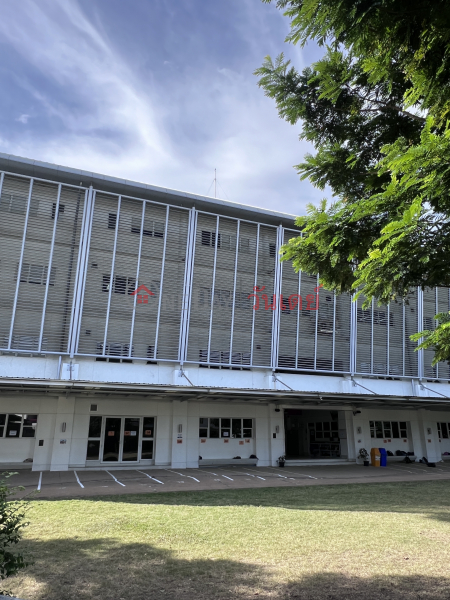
[73, 484]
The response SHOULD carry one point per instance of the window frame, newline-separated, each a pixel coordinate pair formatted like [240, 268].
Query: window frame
[226, 427]
[22, 427]
[386, 427]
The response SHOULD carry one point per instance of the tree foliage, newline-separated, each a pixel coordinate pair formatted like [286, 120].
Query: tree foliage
[12, 522]
[376, 108]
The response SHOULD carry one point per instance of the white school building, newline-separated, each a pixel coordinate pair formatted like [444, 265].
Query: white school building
[142, 326]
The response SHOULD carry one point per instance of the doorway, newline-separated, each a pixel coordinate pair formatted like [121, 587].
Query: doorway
[120, 439]
[311, 434]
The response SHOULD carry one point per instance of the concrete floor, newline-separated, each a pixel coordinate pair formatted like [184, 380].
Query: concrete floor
[75, 484]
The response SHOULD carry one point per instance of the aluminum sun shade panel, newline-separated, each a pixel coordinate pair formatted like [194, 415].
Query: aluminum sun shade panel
[133, 245]
[266, 275]
[243, 305]
[435, 300]
[312, 340]
[43, 270]
[162, 271]
[98, 275]
[221, 317]
[382, 338]
[13, 208]
[66, 244]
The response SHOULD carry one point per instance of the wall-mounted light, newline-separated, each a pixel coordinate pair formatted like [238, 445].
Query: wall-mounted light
[63, 427]
[180, 428]
[277, 429]
[277, 410]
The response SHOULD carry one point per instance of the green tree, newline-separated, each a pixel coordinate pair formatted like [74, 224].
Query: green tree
[376, 109]
[12, 522]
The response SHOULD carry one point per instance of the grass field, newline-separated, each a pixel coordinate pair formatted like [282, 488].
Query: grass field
[375, 541]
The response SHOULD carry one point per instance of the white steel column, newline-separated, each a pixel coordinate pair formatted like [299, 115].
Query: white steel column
[111, 279]
[83, 256]
[334, 331]
[420, 357]
[213, 288]
[19, 270]
[161, 282]
[298, 319]
[316, 325]
[187, 287]
[2, 177]
[353, 334]
[238, 229]
[49, 268]
[277, 291]
[133, 316]
[254, 299]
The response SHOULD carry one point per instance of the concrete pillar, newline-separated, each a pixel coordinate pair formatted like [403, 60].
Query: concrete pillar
[62, 440]
[425, 438]
[276, 434]
[179, 434]
[351, 443]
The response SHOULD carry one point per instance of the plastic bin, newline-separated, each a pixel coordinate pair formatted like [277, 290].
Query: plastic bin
[375, 457]
[383, 457]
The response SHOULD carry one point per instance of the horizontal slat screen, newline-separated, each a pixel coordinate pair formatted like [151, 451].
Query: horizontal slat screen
[39, 235]
[134, 244]
[198, 303]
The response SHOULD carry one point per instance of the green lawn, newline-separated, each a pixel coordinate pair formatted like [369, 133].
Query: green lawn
[374, 541]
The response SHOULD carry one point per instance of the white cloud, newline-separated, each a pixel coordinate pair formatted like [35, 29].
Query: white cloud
[172, 132]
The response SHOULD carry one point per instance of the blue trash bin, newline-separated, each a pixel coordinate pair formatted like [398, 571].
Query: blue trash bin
[383, 457]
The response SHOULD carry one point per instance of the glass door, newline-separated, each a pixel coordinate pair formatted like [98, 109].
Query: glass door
[112, 439]
[130, 447]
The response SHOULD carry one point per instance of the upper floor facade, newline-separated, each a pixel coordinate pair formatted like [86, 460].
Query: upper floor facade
[116, 271]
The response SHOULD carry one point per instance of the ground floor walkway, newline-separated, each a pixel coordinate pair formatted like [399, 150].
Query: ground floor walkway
[73, 484]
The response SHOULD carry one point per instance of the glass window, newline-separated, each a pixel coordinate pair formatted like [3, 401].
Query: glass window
[147, 450]
[95, 427]
[148, 430]
[387, 429]
[203, 427]
[214, 428]
[236, 428]
[378, 429]
[93, 450]
[14, 424]
[2, 424]
[403, 429]
[395, 430]
[444, 430]
[225, 428]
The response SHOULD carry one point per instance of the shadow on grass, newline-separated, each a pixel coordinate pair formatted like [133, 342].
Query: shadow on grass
[428, 497]
[71, 569]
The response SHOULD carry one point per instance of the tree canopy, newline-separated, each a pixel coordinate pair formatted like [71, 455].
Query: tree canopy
[376, 108]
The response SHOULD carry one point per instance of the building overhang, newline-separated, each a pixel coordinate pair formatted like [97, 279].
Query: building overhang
[158, 392]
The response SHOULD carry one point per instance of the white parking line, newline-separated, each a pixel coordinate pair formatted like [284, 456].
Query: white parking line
[295, 473]
[149, 476]
[211, 473]
[182, 475]
[257, 476]
[78, 479]
[116, 480]
[249, 474]
[40, 481]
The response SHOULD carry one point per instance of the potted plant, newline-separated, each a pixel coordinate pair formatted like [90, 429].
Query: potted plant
[364, 456]
[281, 460]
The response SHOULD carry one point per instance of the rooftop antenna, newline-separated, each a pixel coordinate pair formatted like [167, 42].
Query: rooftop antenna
[215, 183]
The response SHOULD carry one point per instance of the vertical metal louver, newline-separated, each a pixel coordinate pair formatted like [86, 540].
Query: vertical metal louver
[435, 300]
[312, 340]
[40, 236]
[132, 244]
[383, 346]
[231, 258]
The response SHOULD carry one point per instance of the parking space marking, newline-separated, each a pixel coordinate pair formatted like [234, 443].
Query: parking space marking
[249, 474]
[295, 473]
[78, 479]
[257, 476]
[399, 469]
[211, 473]
[147, 475]
[182, 475]
[116, 480]
[40, 482]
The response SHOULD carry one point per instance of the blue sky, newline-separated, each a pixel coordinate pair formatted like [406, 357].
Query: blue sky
[159, 91]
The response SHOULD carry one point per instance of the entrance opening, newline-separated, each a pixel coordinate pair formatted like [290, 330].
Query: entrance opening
[120, 439]
[311, 434]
